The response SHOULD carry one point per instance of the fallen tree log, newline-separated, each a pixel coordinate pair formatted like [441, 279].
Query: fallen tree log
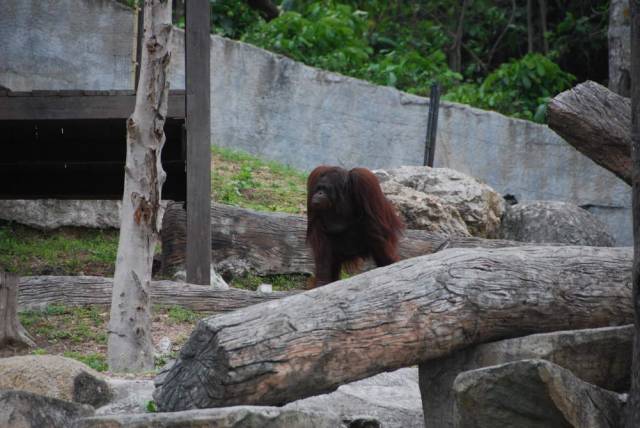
[36, 292]
[247, 241]
[597, 122]
[400, 315]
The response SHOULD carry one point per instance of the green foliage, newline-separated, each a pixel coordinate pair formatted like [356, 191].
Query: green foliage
[151, 406]
[519, 88]
[231, 18]
[327, 35]
[94, 360]
[178, 314]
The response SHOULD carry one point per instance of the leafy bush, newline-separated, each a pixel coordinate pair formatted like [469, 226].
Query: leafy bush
[332, 38]
[520, 88]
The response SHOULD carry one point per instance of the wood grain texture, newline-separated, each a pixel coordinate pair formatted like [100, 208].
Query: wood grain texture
[397, 316]
[275, 243]
[632, 416]
[596, 122]
[198, 77]
[36, 292]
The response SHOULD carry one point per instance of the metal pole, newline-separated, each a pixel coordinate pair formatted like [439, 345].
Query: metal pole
[432, 125]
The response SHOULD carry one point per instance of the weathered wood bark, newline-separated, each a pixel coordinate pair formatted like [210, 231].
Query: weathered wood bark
[619, 47]
[12, 334]
[632, 418]
[415, 310]
[36, 292]
[198, 82]
[274, 243]
[129, 344]
[596, 122]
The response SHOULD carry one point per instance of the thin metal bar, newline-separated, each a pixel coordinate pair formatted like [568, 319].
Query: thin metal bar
[432, 125]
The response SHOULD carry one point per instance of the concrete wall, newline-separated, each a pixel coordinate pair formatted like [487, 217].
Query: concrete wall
[65, 44]
[280, 109]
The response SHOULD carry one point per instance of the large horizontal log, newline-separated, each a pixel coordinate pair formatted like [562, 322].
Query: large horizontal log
[36, 292]
[400, 315]
[274, 243]
[597, 122]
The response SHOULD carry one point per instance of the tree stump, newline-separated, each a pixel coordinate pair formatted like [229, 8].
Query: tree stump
[12, 334]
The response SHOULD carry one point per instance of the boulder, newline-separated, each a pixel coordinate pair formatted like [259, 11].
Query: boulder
[391, 398]
[552, 221]
[226, 417]
[129, 396]
[56, 377]
[425, 212]
[50, 214]
[478, 204]
[22, 409]
[599, 356]
[532, 394]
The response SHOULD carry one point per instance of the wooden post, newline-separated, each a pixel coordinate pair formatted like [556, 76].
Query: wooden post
[11, 331]
[197, 40]
[432, 125]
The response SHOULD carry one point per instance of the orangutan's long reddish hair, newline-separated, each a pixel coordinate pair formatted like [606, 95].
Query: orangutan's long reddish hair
[349, 219]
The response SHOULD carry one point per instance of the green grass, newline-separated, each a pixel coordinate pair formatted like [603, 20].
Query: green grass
[178, 314]
[58, 323]
[244, 180]
[237, 179]
[27, 251]
[94, 360]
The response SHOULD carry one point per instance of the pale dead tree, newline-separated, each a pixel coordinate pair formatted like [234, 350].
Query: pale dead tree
[130, 347]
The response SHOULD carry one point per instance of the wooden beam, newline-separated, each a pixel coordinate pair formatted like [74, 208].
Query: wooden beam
[197, 40]
[37, 292]
[396, 316]
[78, 105]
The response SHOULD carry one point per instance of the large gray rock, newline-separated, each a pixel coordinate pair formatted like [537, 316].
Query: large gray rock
[478, 204]
[50, 214]
[425, 212]
[56, 377]
[22, 409]
[227, 417]
[392, 398]
[533, 394]
[600, 356]
[553, 221]
[129, 396]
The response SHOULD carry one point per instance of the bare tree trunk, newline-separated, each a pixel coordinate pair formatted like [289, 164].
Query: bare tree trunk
[396, 316]
[632, 419]
[455, 52]
[129, 346]
[619, 47]
[529, 26]
[12, 334]
[543, 25]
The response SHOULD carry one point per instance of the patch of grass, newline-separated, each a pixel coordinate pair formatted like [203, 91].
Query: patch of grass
[178, 314]
[279, 282]
[241, 179]
[57, 323]
[67, 251]
[94, 360]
